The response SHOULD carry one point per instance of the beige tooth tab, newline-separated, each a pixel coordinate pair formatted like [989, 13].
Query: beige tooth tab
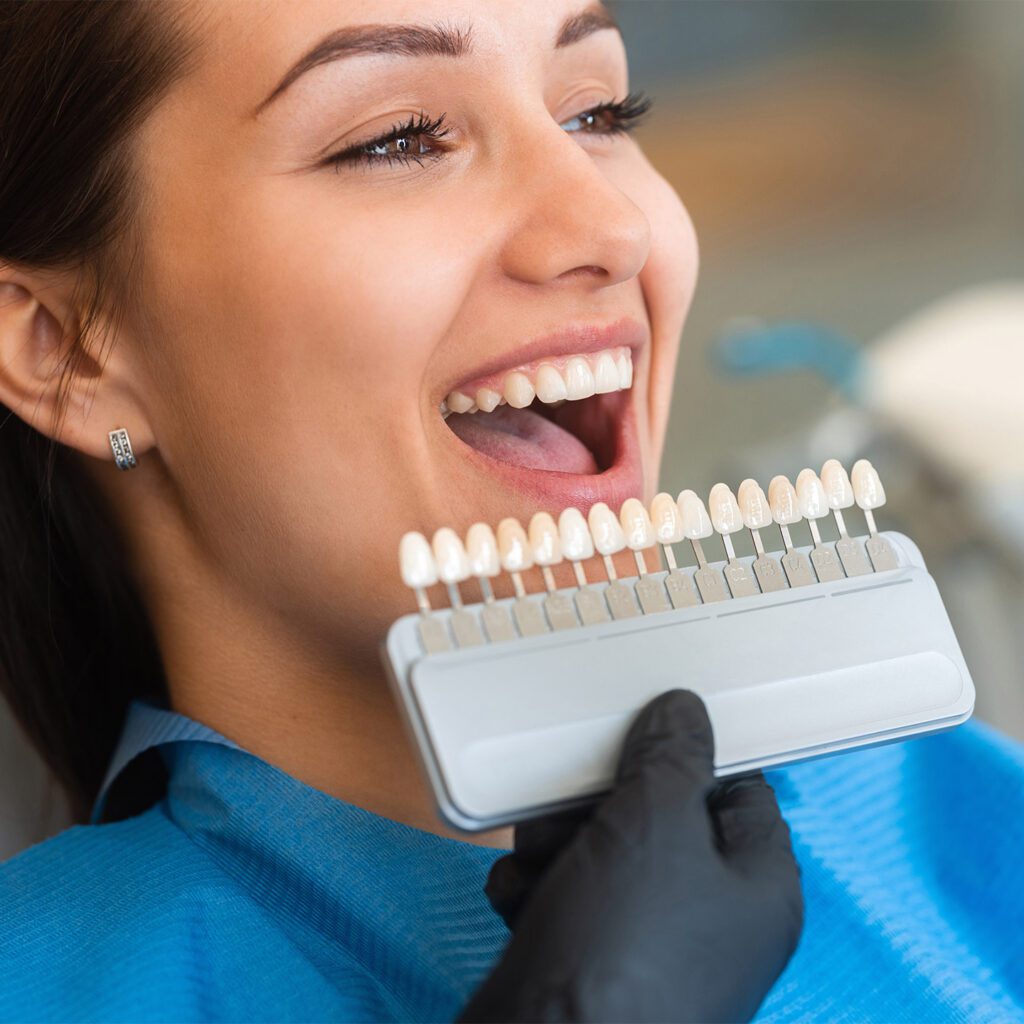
[870, 494]
[547, 551]
[518, 390]
[867, 486]
[727, 520]
[450, 555]
[419, 570]
[696, 526]
[487, 399]
[459, 402]
[606, 374]
[625, 367]
[668, 530]
[810, 496]
[482, 549]
[782, 498]
[696, 522]
[416, 561]
[577, 546]
[516, 556]
[639, 531]
[550, 384]
[609, 539]
[839, 494]
[579, 380]
[757, 515]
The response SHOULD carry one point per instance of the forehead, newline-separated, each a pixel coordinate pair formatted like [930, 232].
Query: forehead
[248, 47]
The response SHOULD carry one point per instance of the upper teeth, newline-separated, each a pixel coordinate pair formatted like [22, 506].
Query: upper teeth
[551, 381]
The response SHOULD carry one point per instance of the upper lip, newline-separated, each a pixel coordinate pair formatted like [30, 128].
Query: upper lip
[581, 337]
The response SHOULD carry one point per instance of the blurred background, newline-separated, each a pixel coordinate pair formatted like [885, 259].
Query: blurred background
[854, 173]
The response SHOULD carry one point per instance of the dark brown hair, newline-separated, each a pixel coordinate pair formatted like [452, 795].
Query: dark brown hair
[76, 644]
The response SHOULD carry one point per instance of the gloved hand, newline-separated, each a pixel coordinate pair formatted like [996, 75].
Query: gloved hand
[675, 898]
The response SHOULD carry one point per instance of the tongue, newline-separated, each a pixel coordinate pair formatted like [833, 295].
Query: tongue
[525, 438]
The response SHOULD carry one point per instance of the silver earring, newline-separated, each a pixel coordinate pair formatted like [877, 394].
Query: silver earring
[122, 449]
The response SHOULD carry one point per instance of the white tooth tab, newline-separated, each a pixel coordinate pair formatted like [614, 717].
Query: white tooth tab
[666, 519]
[416, 561]
[810, 495]
[550, 384]
[605, 529]
[625, 367]
[544, 543]
[606, 374]
[696, 522]
[482, 549]
[867, 487]
[513, 546]
[757, 513]
[636, 524]
[870, 494]
[579, 380]
[838, 489]
[518, 390]
[725, 512]
[450, 555]
[577, 544]
[487, 399]
[782, 498]
[459, 402]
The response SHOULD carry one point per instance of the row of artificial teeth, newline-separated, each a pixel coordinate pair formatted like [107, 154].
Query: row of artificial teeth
[669, 521]
[608, 370]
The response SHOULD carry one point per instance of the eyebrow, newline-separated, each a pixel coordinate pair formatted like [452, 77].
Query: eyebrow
[420, 41]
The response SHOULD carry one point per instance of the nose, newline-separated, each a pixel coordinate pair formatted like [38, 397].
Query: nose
[570, 221]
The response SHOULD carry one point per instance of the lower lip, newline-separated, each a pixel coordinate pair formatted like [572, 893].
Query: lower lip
[553, 491]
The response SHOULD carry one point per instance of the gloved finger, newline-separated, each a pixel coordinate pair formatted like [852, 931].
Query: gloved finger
[665, 772]
[752, 835]
[512, 878]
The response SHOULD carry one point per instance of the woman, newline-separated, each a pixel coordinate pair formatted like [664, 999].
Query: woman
[269, 241]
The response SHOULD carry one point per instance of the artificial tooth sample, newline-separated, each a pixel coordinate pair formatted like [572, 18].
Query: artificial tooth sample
[547, 551]
[484, 564]
[609, 540]
[518, 390]
[516, 557]
[579, 379]
[813, 505]
[419, 571]
[577, 547]
[550, 384]
[782, 498]
[727, 520]
[452, 569]
[639, 532]
[668, 530]
[839, 495]
[870, 494]
[757, 515]
[696, 527]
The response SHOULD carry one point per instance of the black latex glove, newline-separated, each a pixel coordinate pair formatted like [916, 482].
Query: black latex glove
[675, 898]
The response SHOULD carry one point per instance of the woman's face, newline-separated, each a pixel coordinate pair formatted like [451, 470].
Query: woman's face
[305, 316]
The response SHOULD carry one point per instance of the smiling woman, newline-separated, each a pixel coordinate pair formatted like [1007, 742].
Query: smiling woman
[254, 254]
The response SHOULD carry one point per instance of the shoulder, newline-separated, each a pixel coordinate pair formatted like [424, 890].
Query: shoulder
[99, 918]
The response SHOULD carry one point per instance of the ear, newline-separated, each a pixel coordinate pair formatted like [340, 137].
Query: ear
[40, 329]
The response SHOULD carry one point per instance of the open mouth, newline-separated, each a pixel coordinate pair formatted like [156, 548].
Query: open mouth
[560, 414]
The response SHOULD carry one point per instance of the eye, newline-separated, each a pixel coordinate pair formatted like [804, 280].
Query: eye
[613, 117]
[404, 143]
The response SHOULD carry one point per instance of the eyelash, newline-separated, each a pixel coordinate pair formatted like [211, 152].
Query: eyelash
[624, 115]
